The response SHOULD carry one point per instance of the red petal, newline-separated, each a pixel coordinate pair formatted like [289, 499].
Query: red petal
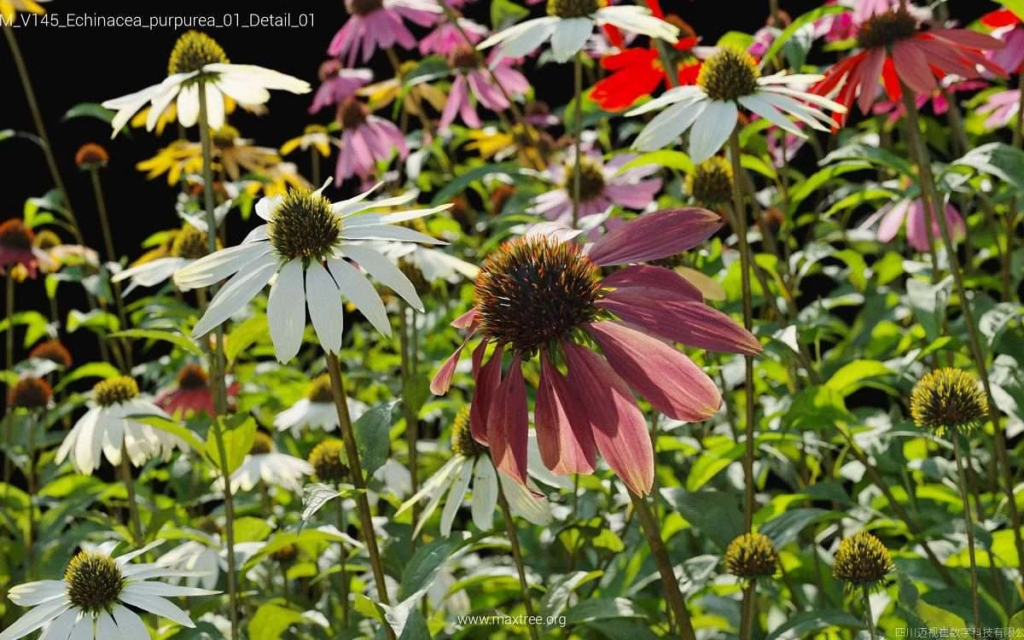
[618, 426]
[967, 38]
[563, 430]
[669, 380]
[654, 236]
[621, 89]
[999, 18]
[654, 282]
[692, 323]
[508, 424]
[466, 320]
[891, 81]
[488, 379]
[912, 67]
[443, 379]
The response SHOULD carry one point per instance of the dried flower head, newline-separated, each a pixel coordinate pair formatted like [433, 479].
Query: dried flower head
[30, 393]
[91, 156]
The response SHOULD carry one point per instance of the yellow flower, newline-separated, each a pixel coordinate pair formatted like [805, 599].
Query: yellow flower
[179, 158]
[381, 94]
[278, 181]
[10, 7]
[491, 142]
[315, 135]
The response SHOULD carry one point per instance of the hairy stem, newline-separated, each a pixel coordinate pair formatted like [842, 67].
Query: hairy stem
[868, 618]
[968, 522]
[517, 557]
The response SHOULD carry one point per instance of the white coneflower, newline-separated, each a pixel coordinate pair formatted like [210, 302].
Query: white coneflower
[108, 429]
[196, 56]
[728, 80]
[92, 601]
[471, 464]
[266, 464]
[313, 247]
[570, 23]
[316, 409]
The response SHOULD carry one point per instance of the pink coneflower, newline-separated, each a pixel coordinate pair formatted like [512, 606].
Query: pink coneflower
[17, 247]
[913, 211]
[471, 78]
[1001, 107]
[543, 297]
[1007, 27]
[897, 52]
[601, 186]
[190, 396]
[446, 38]
[365, 139]
[939, 101]
[378, 23]
[337, 83]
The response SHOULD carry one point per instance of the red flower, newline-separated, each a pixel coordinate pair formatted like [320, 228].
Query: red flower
[894, 50]
[1000, 18]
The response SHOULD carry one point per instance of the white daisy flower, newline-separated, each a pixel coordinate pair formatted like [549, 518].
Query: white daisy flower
[196, 56]
[92, 601]
[570, 23]
[203, 559]
[471, 464]
[316, 409]
[313, 247]
[107, 429]
[266, 464]
[434, 264]
[730, 79]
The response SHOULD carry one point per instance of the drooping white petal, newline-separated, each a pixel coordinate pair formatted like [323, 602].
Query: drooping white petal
[763, 108]
[129, 623]
[61, 627]
[35, 618]
[672, 96]
[157, 605]
[712, 129]
[215, 267]
[237, 293]
[455, 497]
[357, 288]
[105, 627]
[384, 270]
[188, 105]
[286, 311]
[387, 232]
[522, 502]
[265, 206]
[485, 494]
[325, 308]
[671, 123]
[638, 20]
[569, 37]
[33, 593]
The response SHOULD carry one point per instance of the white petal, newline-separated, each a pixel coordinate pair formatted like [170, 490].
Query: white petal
[387, 232]
[522, 502]
[105, 628]
[712, 129]
[265, 206]
[763, 108]
[188, 105]
[668, 125]
[268, 78]
[358, 289]
[129, 623]
[485, 494]
[165, 590]
[239, 290]
[569, 37]
[34, 619]
[86, 456]
[286, 311]
[159, 105]
[325, 308]
[637, 20]
[243, 92]
[215, 267]
[157, 605]
[84, 629]
[61, 628]
[152, 273]
[455, 497]
[384, 270]
[34, 593]
[672, 96]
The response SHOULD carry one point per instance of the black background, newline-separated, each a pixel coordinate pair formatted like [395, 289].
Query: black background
[73, 65]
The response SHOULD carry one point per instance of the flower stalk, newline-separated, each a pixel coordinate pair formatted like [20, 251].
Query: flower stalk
[577, 123]
[125, 353]
[517, 557]
[969, 524]
[868, 618]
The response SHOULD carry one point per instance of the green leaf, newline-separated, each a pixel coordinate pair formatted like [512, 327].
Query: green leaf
[415, 627]
[873, 155]
[459, 184]
[796, 25]
[314, 496]
[804, 625]
[176, 429]
[36, 325]
[667, 158]
[426, 563]
[243, 336]
[937, 618]
[88, 370]
[238, 433]
[929, 303]
[993, 322]
[373, 438]
[505, 13]
[600, 609]
[97, 320]
[1016, 6]
[177, 339]
[715, 513]
[786, 527]
[561, 589]
[709, 463]
[271, 621]
[997, 159]
[250, 529]
[89, 110]
[850, 377]
[815, 408]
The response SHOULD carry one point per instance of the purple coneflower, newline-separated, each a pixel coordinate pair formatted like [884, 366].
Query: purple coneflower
[447, 37]
[543, 297]
[913, 212]
[601, 186]
[337, 83]
[470, 77]
[378, 23]
[365, 139]
[1001, 107]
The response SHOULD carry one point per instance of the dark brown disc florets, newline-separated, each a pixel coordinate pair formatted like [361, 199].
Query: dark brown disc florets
[886, 29]
[30, 393]
[190, 243]
[363, 7]
[14, 234]
[302, 226]
[193, 51]
[573, 8]
[193, 376]
[94, 582]
[535, 290]
[54, 351]
[591, 179]
[352, 113]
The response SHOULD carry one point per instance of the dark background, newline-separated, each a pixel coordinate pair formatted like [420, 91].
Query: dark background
[73, 65]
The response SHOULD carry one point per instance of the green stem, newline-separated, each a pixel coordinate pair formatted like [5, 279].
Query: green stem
[747, 611]
[517, 557]
[342, 525]
[356, 468]
[9, 363]
[407, 345]
[108, 244]
[577, 123]
[976, 608]
[30, 481]
[314, 158]
[933, 202]
[229, 527]
[669, 583]
[133, 501]
[868, 618]
[746, 262]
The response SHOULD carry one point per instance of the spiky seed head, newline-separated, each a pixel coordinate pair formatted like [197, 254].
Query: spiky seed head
[190, 243]
[363, 7]
[574, 8]
[751, 555]
[463, 57]
[14, 234]
[535, 290]
[463, 443]
[115, 390]
[591, 179]
[91, 156]
[710, 182]
[94, 582]
[352, 113]
[30, 393]
[54, 351]
[328, 461]
[193, 376]
[862, 560]
[302, 226]
[193, 51]
[886, 29]
[262, 444]
[948, 399]
[729, 74]
[319, 390]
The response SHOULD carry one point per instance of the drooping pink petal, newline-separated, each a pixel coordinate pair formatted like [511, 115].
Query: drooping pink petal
[618, 426]
[652, 281]
[871, 70]
[654, 236]
[967, 38]
[443, 379]
[508, 424]
[692, 323]
[892, 221]
[912, 67]
[563, 429]
[466, 320]
[488, 379]
[669, 380]
[917, 227]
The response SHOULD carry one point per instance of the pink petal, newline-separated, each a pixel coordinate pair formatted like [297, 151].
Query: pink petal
[563, 430]
[655, 235]
[488, 379]
[892, 221]
[618, 426]
[455, 97]
[466, 320]
[443, 379]
[692, 323]
[633, 196]
[968, 38]
[871, 72]
[912, 67]
[654, 282]
[917, 227]
[669, 380]
[508, 424]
